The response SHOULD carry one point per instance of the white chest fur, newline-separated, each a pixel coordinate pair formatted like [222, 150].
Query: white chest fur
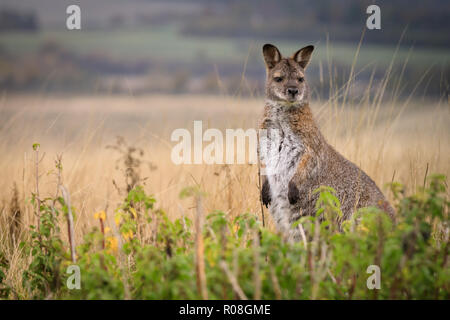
[280, 151]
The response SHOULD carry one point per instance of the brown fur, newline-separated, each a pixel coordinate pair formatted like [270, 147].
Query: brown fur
[318, 163]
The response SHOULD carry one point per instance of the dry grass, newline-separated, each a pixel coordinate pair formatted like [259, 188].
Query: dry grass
[386, 140]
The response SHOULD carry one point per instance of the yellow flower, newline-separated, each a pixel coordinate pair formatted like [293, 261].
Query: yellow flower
[363, 228]
[133, 212]
[100, 215]
[107, 229]
[127, 235]
[112, 244]
[118, 219]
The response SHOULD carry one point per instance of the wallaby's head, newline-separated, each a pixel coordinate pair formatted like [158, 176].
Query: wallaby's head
[286, 83]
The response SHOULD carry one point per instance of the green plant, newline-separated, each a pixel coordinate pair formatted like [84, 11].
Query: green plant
[44, 275]
[146, 255]
[4, 288]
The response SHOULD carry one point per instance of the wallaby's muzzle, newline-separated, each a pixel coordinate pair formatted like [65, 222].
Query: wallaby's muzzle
[292, 93]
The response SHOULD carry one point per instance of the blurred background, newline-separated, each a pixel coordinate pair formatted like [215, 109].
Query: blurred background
[214, 46]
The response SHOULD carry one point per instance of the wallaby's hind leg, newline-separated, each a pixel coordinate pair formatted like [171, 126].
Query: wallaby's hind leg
[293, 193]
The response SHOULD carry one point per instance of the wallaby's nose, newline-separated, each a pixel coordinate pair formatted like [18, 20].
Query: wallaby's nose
[292, 91]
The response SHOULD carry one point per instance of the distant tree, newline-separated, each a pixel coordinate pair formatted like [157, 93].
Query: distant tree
[14, 20]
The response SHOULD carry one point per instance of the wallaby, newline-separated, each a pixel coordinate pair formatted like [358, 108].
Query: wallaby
[299, 159]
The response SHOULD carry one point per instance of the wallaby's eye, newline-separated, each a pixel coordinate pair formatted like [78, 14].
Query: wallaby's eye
[301, 79]
[278, 79]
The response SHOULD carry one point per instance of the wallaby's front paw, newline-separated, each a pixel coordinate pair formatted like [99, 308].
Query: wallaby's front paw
[265, 194]
[293, 193]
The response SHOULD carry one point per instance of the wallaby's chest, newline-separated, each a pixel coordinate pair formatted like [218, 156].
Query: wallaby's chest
[281, 151]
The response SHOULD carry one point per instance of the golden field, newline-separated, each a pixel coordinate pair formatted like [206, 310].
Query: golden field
[403, 141]
[387, 141]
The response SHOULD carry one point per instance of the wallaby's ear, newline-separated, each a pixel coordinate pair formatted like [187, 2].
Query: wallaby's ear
[271, 55]
[303, 56]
